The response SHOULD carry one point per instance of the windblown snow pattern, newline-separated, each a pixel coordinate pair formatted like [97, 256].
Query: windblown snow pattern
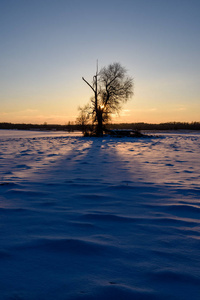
[99, 218]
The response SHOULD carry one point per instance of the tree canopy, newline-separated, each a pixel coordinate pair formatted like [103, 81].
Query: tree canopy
[111, 88]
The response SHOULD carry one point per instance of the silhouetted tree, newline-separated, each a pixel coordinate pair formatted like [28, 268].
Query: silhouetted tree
[83, 118]
[111, 87]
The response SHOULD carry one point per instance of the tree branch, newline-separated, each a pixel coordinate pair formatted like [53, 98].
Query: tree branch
[88, 84]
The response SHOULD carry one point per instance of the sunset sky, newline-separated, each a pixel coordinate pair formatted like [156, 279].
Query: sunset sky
[48, 45]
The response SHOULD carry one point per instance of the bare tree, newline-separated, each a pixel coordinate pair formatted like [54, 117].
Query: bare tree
[111, 87]
[83, 118]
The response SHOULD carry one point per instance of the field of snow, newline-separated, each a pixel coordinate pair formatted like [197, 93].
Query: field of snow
[99, 218]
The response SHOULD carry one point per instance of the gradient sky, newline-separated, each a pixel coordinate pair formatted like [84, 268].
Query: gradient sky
[48, 45]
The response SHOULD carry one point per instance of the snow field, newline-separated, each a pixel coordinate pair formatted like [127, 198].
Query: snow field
[99, 218]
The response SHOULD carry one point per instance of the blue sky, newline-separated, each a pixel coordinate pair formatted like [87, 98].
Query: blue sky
[47, 46]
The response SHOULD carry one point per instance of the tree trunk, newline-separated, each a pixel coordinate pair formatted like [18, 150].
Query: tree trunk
[99, 127]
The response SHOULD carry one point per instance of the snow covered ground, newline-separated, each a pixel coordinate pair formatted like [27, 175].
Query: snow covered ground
[99, 218]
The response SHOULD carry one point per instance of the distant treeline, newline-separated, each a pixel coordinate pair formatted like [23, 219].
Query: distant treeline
[134, 126]
[69, 127]
[161, 126]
